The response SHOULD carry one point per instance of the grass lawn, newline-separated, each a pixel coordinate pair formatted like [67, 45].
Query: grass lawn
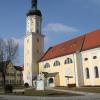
[33, 92]
[82, 89]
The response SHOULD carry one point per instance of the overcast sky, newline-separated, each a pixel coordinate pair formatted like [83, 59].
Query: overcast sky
[62, 19]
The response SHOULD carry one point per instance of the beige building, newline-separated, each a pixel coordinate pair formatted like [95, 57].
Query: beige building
[75, 62]
[13, 75]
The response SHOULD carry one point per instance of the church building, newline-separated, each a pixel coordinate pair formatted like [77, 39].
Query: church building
[75, 62]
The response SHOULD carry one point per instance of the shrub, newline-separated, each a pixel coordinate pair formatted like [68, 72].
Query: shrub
[9, 88]
[26, 85]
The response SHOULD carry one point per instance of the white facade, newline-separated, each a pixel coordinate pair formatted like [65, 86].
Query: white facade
[91, 63]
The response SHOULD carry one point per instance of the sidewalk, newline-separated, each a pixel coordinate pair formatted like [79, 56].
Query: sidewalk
[74, 92]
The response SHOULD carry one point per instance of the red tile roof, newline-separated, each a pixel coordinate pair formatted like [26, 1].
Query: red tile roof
[85, 42]
[92, 40]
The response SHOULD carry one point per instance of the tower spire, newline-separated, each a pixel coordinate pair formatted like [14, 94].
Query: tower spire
[34, 10]
[34, 4]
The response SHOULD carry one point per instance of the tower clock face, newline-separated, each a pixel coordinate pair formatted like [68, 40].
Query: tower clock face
[30, 24]
[34, 24]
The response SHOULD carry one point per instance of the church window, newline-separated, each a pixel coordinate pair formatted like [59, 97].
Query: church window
[47, 65]
[38, 27]
[94, 57]
[56, 63]
[87, 73]
[96, 72]
[85, 59]
[37, 40]
[27, 40]
[68, 61]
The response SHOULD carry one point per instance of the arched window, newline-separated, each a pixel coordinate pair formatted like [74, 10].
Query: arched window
[87, 73]
[96, 72]
[68, 61]
[47, 65]
[56, 63]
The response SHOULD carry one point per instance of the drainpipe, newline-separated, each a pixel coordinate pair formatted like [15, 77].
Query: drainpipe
[74, 68]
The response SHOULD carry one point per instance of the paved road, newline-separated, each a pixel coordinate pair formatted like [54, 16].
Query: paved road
[92, 97]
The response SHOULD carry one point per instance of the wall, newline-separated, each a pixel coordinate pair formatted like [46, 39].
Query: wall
[27, 74]
[63, 69]
[90, 64]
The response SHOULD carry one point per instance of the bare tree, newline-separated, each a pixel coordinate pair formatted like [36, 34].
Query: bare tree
[8, 53]
[2, 58]
[11, 50]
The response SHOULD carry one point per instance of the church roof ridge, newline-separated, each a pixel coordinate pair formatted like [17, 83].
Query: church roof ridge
[84, 42]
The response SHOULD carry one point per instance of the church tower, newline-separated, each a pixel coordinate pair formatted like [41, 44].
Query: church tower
[33, 43]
